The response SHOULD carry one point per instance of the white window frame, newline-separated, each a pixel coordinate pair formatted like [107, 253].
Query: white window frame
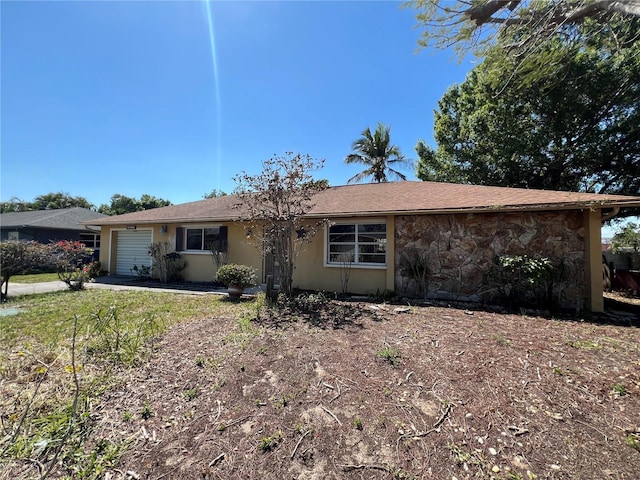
[356, 263]
[95, 240]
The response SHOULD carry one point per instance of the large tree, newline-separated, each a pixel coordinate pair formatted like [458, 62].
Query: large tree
[478, 24]
[48, 201]
[577, 129]
[375, 151]
[53, 201]
[14, 205]
[122, 204]
[273, 206]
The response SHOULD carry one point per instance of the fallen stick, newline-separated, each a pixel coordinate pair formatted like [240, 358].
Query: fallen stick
[217, 460]
[219, 411]
[293, 453]
[331, 413]
[348, 468]
[338, 394]
[444, 415]
[517, 431]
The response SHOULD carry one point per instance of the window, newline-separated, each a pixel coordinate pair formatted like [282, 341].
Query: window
[358, 243]
[91, 240]
[201, 238]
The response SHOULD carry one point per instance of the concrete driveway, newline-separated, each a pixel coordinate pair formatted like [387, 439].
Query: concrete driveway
[117, 283]
[109, 283]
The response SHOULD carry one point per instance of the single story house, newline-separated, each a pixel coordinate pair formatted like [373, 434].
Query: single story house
[47, 226]
[457, 229]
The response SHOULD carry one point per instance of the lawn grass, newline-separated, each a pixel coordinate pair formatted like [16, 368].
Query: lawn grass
[35, 278]
[48, 318]
[64, 349]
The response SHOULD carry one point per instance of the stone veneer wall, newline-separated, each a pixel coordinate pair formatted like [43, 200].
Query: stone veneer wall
[460, 250]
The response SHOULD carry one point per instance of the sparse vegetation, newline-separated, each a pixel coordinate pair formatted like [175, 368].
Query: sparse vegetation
[390, 354]
[357, 423]
[633, 440]
[271, 442]
[58, 356]
[146, 412]
[619, 389]
[192, 393]
[297, 386]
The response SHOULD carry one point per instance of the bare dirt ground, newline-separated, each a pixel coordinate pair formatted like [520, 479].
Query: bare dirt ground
[361, 391]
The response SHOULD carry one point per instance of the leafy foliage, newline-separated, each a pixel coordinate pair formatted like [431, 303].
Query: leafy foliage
[72, 261]
[19, 257]
[479, 25]
[122, 204]
[52, 201]
[524, 280]
[233, 274]
[273, 205]
[48, 201]
[376, 152]
[215, 193]
[627, 239]
[575, 130]
[390, 354]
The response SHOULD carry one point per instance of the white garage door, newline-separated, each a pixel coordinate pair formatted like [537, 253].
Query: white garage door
[132, 249]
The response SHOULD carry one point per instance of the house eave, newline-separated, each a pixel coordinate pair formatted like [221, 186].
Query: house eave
[483, 209]
[167, 220]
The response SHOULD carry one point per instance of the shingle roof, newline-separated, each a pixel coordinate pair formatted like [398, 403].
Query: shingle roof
[64, 219]
[391, 198]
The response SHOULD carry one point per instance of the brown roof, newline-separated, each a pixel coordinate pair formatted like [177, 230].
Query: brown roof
[391, 198]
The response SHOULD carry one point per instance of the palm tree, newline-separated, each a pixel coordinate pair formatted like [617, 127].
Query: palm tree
[378, 154]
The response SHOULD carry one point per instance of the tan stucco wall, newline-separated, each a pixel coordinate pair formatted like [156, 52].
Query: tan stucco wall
[311, 274]
[593, 260]
[200, 266]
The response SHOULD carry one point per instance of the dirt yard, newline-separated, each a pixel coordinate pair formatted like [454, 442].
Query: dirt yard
[362, 391]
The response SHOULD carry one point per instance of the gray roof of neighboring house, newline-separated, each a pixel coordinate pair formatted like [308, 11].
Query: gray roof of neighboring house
[392, 198]
[62, 219]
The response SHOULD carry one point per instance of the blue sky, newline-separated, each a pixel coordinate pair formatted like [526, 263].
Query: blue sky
[100, 98]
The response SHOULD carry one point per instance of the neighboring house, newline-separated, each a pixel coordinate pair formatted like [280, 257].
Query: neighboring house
[458, 229]
[47, 226]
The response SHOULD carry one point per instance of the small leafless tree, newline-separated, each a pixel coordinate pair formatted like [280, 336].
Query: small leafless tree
[166, 262]
[219, 252]
[346, 261]
[274, 205]
[415, 266]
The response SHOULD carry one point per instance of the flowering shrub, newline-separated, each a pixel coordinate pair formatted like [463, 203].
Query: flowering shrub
[92, 269]
[17, 257]
[73, 262]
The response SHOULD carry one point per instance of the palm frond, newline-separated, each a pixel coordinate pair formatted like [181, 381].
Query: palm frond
[374, 150]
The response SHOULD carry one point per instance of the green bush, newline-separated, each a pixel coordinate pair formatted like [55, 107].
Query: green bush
[234, 274]
[523, 280]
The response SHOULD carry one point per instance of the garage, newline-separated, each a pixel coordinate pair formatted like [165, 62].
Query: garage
[132, 249]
